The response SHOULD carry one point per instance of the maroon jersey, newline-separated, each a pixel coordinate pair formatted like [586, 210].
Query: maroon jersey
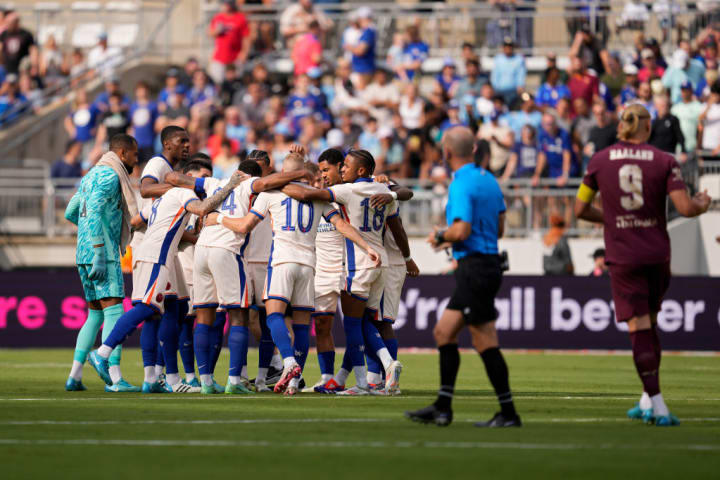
[634, 181]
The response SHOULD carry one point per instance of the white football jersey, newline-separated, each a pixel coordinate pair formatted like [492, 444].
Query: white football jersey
[235, 205]
[258, 248]
[186, 251]
[329, 247]
[166, 219]
[395, 256]
[294, 226]
[354, 201]
[156, 168]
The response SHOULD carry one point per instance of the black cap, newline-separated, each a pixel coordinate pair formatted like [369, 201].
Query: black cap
[600, 252]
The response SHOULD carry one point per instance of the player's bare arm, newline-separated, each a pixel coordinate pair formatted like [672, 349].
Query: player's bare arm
[239, 225]
[398, 233]
[202, 208]
[688, 206]
[501, 225]
[150, 188]
[307, 194]
[351, 233]
[584, 208]
[399, 192]
[137, 221]
[277, 180]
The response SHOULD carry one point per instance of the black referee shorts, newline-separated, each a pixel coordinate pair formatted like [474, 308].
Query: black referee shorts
[478, 278]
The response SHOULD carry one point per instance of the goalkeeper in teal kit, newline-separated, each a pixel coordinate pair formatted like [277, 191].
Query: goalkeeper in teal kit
[102, 209]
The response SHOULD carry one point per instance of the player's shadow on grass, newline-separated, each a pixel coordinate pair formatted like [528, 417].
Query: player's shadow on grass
[519, 394]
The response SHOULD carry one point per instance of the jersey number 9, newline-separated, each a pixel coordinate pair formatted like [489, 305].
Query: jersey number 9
[631, 182]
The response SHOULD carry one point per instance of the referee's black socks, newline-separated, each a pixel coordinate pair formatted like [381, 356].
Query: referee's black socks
[497, 372]
[449, 366]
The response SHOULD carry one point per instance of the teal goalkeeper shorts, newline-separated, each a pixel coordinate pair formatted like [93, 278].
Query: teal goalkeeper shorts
[111, 287]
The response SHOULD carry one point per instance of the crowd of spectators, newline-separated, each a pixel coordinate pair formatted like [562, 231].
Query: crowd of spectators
[544, 132]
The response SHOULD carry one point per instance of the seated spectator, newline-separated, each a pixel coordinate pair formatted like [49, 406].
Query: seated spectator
[645, 98]
[600, 269]
[415, 52]
[313, 139]
[382, 97]
[219, 135]
[710, 122]
[30, 89]
[300, 103]
[230, 86]
[557, 259]
[369, 139]
[654, 45]
[252, 103]
[555, 152]
[470, 87]
[523, 160]
[508, 73]
[346, 95]
[143, 115]
[527, 115]
[296, 18]
[226, 162]
[552, 90]
[231, 32]
[501, 140]
[16, 43]
[602, 134]
[629, 89]
[68, 166]
[582, 84]
[75, 65]
[188, 72]
[202, 93]
[172, 86]
[614, 77]
[650, 70]
[683, 69]
[484, 105]
[51, 62]
[688, 112]
[581, 125]
[551, 62]
[563, 114]
[363, 53]
[453, 117]
[102, 59]
[307, 49]
[235, 130]
[111, 122]
[448, 78]
[176, 112]
[102, 101]
[80, 122]
[396, 57]
[411, 108]
[702, 89]
[666, 133]
[393, 151]
[351, 34]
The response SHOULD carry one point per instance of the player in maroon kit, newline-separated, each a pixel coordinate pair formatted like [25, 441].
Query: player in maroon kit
[634, 179]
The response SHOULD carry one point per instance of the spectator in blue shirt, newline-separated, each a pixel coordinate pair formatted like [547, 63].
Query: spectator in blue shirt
[202, 92]
[172, 86]
[524, 157]
[12, 103]
[143, 115]
[453, 117]
[555, 152]
[448, 78]
[527, 115]
[68, 166]
[80, 122]
[415, 52]
[102, 101]
[301, 103]
[508, 73]
[363, 52]
[470, 88]
[552, 90]
[629, 90]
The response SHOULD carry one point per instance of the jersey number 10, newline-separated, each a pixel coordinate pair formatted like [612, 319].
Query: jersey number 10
[631, 182]
[304, 228]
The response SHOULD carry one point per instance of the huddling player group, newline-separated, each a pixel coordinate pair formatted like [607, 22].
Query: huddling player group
[268, 252]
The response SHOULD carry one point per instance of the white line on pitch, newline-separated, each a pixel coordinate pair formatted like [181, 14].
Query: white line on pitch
[359, 444]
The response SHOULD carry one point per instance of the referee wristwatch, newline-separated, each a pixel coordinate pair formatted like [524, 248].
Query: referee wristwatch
[439, 237]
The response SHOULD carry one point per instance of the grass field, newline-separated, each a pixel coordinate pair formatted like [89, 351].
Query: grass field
[573, 408]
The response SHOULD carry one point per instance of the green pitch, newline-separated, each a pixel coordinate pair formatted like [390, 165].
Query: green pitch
[573, 408]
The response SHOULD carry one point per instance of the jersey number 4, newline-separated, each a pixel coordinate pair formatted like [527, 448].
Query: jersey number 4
[304, 227]
[631, 182]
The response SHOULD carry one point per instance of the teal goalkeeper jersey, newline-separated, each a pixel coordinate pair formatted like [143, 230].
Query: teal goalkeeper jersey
[99, 203]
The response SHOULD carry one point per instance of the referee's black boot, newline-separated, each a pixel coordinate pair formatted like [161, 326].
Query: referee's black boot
[431, 414]
[500, 421]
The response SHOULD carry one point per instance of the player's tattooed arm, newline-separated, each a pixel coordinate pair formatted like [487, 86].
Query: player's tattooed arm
[150, 188]
[177, 179]
[398, 233]
[351, 233]
[202, 208]
[307, 194]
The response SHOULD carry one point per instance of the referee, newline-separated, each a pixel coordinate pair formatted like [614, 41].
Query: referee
[476, 218]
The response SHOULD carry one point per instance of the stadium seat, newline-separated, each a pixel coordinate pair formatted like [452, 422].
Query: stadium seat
[123, 35]
[121, 6]
[45, 31]
[711, 183]
[85, 6]
[47, 7]
[86, 35]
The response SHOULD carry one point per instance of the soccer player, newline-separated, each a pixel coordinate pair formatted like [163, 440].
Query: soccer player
[102, 209]
[257, 253]
[176, 148]
[475, 216]
[634, 179]
[156, 276]
[291, 269]
[364, 283]
[221, 279]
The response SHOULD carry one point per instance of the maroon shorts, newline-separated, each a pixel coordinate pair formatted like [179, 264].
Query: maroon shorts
[638, 290]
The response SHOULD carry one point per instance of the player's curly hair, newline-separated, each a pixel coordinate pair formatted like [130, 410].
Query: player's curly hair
[629, 124]
[365, 159]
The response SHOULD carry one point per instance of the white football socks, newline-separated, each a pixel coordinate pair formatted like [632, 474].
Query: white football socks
[277, 362]
[645, 402]
[659, 407]
[115, 373]
[374, 378]
[159, 370]
[206, 380]
[326, 377]
[150, 376]
[234, 379]
[289, 362]
[361, 376]
[341, 376]
[172, 378]
[104, 351]
[189, 377]
[76, 370]
[384, 356]
[261, 376]
[243, 372]
[295, 382]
